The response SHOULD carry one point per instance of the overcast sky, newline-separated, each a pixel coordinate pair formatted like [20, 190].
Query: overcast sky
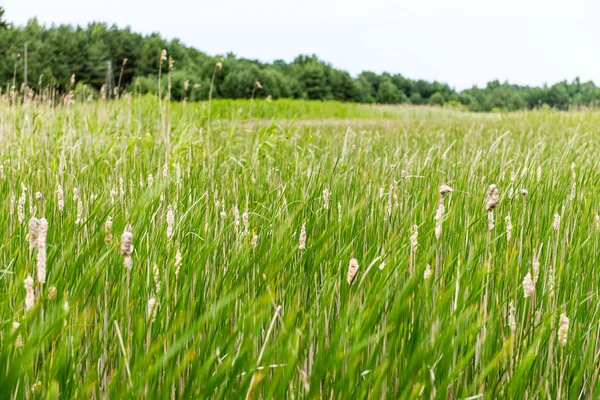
[460, 42]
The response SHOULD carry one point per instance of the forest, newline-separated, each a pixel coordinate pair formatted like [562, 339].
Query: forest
[99, 57]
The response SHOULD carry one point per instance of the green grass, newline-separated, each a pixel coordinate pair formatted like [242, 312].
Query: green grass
[219, 331]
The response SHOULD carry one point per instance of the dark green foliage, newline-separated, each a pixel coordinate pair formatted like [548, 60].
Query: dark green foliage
[95, 53]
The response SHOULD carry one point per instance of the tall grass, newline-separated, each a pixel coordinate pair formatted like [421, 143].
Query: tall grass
[245, 313]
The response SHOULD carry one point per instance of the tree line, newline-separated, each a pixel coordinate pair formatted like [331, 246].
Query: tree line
[102, 56]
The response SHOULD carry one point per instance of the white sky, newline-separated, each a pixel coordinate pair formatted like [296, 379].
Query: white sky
[460, 42]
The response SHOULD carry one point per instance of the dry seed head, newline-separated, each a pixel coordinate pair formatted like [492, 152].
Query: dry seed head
[491, 221]
[563, 329]
[512, 323]
[79, 219]
[34, 232]
[539, 173]
[72, 79]
[21, 207]
[258, 85]
[414, 239]
[19, 340]
[340, 212]
[508, 228]
[492, 198]
[245, 222]
[302, 244]
[528, 286]
[524, 193]
[156, 272]
[51, 293]
[170, 222]
[352, 270]
[151, 309]
[163, 55]
[171, 61]
[60, 198]
[445, 189]
[326, 199]
[178, 260]
[219, 65]
[439, 216]
[126, 243]
[29, 296]
[41, 254]
[38, 196]
[254, 241]
[556, 222]
[428, 272]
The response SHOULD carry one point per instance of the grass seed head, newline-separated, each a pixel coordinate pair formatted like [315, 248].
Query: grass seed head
[563, 329]
[528, 286]
[428, 272]
[492, 198]
[302, 244]
[41, 254]
[34, 232]
[151, 309]
[29, 295]
[352, 270]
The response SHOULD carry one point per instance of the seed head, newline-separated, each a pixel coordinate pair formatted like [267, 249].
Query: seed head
[156, 273]
[427, 273]
[492, 198]
[528, 286]
[445, 189]
[302, 244]
[563, 329]
[34, 231]
[508, 228]
[21, 207]
[352, 270]
[556, 222]
[326, 199]
[512, 323]
[60, 198]
[439, 216]
[151, 309]
[29, 296]
[170, 222]
[51, 293]
[41, 254]
[414, 239]
[178, 260]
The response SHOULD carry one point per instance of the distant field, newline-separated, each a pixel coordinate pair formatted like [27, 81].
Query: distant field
[295, 249]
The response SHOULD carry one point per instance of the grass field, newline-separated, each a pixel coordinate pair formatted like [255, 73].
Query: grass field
[240, 280]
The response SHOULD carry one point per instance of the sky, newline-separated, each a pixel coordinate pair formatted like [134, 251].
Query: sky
[459, 42]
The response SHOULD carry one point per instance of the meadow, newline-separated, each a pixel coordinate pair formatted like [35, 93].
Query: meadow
[296, 249]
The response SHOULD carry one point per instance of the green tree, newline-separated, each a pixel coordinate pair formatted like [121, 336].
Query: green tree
[388, 93]
[437, 99]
